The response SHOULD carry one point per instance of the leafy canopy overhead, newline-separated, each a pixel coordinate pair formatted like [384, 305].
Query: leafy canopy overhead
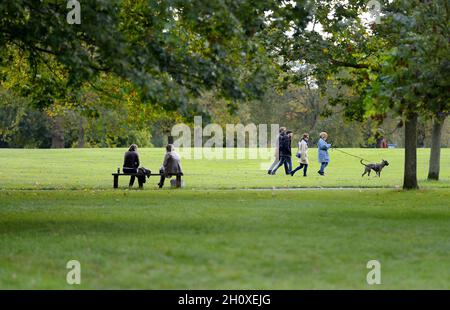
[169, 50]
[400, 64]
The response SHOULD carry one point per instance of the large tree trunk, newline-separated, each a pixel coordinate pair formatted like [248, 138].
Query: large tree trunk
[57, 133]
[410, 173]
[435, 155]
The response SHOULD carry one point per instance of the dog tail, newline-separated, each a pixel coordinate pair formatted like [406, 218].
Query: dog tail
[361, 161]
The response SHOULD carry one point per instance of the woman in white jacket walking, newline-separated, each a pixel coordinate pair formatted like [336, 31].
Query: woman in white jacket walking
[302, 155]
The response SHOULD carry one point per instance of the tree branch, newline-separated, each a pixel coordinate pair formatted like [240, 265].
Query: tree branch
[350, 65]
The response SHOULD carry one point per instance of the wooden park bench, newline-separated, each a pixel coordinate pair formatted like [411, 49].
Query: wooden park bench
[117, 174]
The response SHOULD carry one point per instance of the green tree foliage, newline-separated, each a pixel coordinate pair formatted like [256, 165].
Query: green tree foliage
[302, 109]
[21, 125]
[169, 50]
[398, 66]
[414, 77]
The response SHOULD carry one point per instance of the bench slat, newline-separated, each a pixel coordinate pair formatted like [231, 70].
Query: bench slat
[131, 174]
[116, 177]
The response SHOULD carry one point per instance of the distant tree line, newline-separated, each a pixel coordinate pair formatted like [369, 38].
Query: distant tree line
[300, 109]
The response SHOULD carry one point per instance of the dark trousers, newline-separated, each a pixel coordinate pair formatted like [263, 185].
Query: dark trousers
[323, 166]
[286, 161]
[162, 178]
[302, 166]
[141, 178]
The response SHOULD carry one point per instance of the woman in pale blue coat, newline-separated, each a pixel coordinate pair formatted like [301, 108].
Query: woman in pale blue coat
[323, 147]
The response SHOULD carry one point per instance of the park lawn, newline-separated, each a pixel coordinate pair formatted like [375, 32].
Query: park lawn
[229, 239]
[92, 168]
[220, 231]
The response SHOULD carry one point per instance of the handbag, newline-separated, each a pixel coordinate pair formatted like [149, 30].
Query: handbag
[298, 155]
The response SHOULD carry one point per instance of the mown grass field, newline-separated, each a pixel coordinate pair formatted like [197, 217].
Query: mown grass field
[220, 231]
[92, 168]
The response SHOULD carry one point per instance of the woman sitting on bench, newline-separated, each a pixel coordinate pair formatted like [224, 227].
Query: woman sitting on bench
[171, 165]
[131, 165]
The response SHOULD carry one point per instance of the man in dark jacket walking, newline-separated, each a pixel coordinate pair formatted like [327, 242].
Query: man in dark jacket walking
[285, 153]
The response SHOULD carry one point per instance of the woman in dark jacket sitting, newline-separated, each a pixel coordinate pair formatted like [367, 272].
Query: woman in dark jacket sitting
[131, 165]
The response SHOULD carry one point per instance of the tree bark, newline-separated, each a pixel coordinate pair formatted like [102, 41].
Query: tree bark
[435, 154]
[410, 173]
[57, 133]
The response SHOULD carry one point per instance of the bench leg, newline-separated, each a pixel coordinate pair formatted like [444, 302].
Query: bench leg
[116, 181]
[178, 180]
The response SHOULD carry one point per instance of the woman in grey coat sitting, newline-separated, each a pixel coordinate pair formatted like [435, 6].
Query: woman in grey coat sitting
[171, 165]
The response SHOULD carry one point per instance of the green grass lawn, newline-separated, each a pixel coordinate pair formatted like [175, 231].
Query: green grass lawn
[92, 168]
[58, 205]
[225, 239]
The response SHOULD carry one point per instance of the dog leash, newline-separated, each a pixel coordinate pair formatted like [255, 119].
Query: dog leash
[337, 149]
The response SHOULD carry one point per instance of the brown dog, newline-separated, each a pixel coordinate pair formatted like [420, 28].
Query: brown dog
[375, 167]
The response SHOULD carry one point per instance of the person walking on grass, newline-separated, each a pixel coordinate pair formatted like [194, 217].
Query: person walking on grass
[302, 155]
[281, 132]
[285, 153]
[323, 147]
